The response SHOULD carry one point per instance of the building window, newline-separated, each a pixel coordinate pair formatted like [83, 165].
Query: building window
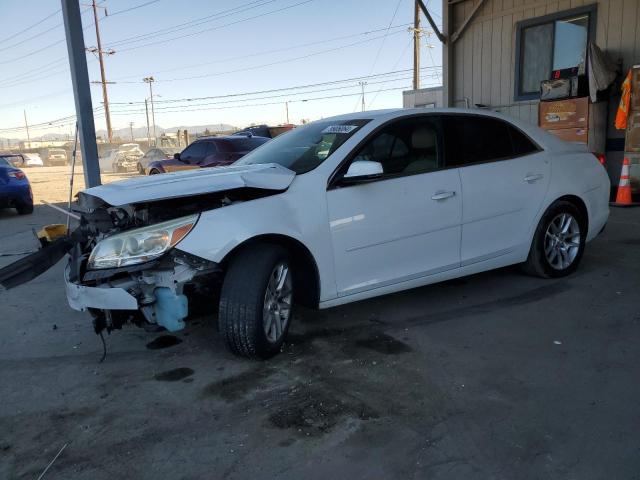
[553, 42]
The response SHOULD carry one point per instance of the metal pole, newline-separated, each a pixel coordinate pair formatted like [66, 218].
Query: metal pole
[131, 130]
[27, 127]
[73, 169]
[105, 98]
[146, 111]
[362, 84]
[150, 81]
[153, 115]
[81, 90]
[286, 104]
[416, 46]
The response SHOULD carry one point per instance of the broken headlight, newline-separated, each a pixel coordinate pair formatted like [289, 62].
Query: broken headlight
[141, 244]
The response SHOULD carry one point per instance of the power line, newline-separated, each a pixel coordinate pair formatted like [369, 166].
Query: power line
[269, 64]
[133, 8]
[269, 103]
[282, 95]
[264, 52]
[189, 24]
[22, 30]
[215, 28]
[282, 89]
[384, 39]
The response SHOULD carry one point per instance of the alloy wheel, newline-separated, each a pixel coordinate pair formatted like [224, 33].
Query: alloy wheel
[277, 302]
[562, 241]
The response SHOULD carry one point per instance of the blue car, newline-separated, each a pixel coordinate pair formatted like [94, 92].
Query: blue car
[15, 190]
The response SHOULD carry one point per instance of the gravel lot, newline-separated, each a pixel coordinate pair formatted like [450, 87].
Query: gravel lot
[495, 376]
[52, 183]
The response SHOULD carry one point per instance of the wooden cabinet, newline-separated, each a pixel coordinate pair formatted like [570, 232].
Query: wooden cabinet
[576, 120]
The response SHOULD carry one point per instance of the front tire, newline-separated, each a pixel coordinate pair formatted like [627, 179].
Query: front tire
[154, 171]
[255, 301]
[558, 243]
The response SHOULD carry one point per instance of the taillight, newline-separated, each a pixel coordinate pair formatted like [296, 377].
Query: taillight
[601, 158]
[17, 174]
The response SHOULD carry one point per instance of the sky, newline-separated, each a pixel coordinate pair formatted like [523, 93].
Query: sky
[222, 50]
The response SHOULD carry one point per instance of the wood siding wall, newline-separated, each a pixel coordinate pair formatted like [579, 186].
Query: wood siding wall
[483, 64]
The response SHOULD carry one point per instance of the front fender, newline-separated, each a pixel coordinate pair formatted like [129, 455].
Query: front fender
[220, 231]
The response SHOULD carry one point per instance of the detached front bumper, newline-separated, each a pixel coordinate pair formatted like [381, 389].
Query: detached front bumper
[81, 297]
[152, 294]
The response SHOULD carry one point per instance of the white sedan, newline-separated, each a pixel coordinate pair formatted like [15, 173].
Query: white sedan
[336, 211]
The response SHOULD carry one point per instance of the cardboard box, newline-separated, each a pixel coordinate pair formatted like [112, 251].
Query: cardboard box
[561, 114]
[635, 88]
[572, 134]
[632, 138]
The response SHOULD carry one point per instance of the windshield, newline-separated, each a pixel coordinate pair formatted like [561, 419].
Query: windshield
[304, 148]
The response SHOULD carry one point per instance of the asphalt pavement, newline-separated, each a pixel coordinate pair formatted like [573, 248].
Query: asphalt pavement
[494, 376]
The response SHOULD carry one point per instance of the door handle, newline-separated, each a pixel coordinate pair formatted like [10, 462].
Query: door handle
[442, 195]
[530, 178]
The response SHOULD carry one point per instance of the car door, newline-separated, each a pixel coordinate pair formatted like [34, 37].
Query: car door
[404, 223]
[504, 182]
[190, 158]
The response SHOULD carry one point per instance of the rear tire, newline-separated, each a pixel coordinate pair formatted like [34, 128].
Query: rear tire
[558, 243]
[140, 169]
[25, 209]
[153, 171]
[255, 301]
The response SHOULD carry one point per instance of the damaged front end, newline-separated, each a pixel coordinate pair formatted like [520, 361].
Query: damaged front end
[125, 263]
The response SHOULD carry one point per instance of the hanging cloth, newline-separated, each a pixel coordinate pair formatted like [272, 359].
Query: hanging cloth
[625, 102]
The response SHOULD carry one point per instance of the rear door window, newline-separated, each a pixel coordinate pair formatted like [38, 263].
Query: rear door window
[476, 139]
[522, 145]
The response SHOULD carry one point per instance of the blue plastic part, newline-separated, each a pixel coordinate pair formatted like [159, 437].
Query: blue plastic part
[170, 309]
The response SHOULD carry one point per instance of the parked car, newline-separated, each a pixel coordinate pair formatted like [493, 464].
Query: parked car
[54, 156]
[127, 158]
[32, 160]
[336, 211]
[122, 159]
[264, 131]
[153, 155]
[208, 152]
[15, 190]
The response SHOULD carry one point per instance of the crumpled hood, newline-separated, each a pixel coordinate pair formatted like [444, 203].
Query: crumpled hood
[191, 182]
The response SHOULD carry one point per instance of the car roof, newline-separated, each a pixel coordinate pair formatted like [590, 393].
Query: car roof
[543, 138]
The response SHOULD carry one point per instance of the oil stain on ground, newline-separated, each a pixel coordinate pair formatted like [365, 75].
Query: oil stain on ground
[383, 343]
[237, 386]
[174, 375]
[165, 341]
[313, 412]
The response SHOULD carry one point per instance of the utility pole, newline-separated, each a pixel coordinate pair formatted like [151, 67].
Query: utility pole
[362, 84]
[150, 81]
[131, 130]
[27, 127]
[416, 46]
[286, 105]
[146, 111]
[105, 98]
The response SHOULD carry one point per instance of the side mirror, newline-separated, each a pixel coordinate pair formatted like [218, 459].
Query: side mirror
[363, 170]
[176, 156]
